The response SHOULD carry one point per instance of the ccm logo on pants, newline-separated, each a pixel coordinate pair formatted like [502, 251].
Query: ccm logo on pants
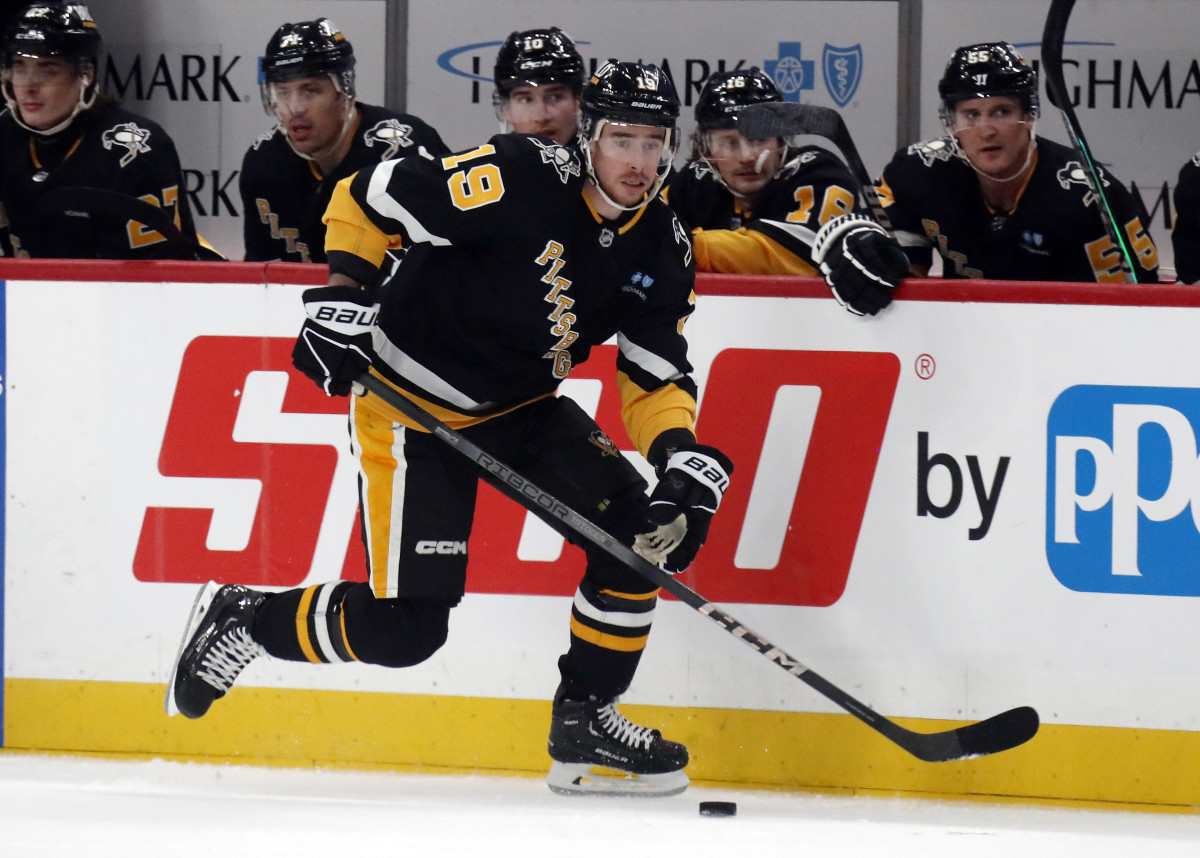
[441, 546]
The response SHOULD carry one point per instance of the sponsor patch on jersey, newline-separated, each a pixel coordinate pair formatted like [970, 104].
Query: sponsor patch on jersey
[129, 136]
[391, 133]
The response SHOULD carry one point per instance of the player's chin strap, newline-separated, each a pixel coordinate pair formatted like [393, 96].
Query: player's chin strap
[664, 167]
[87, 97]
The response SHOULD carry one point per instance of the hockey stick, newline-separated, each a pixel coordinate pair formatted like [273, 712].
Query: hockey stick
[114, 204]
[998, 733]
[783, 119]
[1056, 88]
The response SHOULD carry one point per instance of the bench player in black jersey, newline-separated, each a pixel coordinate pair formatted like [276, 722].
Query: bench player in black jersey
[737, 195]
[59, 131]
[522, 256]
[993, 199]
[539, 76]
[1185, 232]
[323, 135]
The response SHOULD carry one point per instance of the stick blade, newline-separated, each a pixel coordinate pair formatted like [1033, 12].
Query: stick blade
[783, 119]
[990, 736]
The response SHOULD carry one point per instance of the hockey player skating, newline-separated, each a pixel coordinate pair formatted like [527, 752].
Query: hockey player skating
[60, 131]
[991, 197]
[1185, 233]
[522, 256]
[754, 206]
[539, 75]
[323, 135]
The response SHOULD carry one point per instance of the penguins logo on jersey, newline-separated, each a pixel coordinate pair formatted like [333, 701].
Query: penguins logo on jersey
[683, 239]
[391, 133]
[561, 158]
[607, 447]
[128, 135]
[932, 151]
[1073, 174]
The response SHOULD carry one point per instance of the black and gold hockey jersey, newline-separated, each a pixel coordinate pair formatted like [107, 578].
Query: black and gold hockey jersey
[510, 278]
[933, 198]
[105, 147]
[812, 187]
[1185, 234]
[284, 194]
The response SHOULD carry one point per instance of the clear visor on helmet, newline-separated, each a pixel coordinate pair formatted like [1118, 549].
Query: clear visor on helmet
[301, 94]
[629, 141]
[728, 144]
[998, 111]
[25, 70]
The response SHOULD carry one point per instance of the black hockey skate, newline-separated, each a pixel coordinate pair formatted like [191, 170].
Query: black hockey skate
[216, 647]
[596, 750]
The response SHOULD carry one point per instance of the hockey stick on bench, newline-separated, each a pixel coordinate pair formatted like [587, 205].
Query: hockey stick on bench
[1056, 88]
[102, 201]
[783, 119]
[998, 733]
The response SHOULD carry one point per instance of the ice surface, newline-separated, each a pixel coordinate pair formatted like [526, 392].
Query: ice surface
[67, 806]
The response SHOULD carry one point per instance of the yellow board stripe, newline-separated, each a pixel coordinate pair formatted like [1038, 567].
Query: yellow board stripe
[1111, 767]
[302, 625]
[607, 641]
[1146, 769]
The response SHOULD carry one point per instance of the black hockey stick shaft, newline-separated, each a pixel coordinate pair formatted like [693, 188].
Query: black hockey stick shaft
[102, 201]
[998, 733]
[1052, 47]
[784, 119]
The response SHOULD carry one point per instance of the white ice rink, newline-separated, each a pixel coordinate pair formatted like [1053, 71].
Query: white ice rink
[72, 807]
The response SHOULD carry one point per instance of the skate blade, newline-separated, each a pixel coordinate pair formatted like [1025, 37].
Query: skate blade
[586, 779]
[199, 612]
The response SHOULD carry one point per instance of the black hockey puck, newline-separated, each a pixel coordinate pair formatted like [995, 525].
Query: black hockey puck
[718, 808]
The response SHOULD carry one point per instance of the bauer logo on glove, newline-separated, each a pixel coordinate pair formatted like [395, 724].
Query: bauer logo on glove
[334, 347]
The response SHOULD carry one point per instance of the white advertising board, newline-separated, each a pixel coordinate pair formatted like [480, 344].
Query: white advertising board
[960, 506]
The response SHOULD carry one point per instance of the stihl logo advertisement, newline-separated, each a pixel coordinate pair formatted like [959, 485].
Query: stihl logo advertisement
[264, 458]
[1123, 490]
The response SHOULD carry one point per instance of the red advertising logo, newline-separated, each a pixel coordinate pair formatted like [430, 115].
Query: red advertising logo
[803, 428]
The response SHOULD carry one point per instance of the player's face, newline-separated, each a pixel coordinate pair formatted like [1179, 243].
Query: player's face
[311, 111]
[993, 133]
[625, 160]
[46, 89]
[551, 109]
[745, 165]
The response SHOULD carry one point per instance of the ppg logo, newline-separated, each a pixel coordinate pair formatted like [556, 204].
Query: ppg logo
[1123, 490]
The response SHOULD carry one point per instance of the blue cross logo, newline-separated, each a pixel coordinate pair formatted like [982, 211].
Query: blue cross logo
[790, 73]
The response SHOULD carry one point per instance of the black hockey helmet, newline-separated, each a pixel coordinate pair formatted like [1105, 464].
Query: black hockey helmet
[984, 70]
[538, 57]
[726, 93]
[631, 93]
[309, 49]
[63, 30]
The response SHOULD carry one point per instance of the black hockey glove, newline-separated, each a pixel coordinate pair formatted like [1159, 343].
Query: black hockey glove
[334, 346]
[691, 483]
[862, 263]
